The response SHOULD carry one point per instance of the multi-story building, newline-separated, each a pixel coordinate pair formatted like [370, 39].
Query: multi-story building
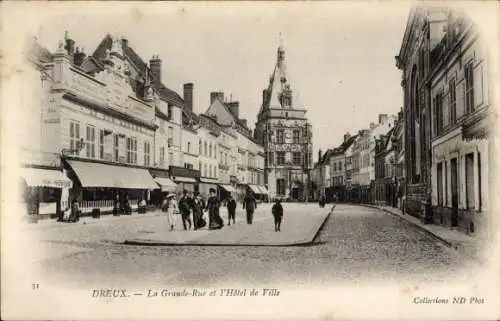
[283, 130]
[460, 98]
[423, 29]
[237, 145]
[340, 166]
[445, 80]
[385, 187]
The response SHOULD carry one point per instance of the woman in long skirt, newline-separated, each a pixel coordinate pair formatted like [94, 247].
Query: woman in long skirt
[171, 207]
[213, 204]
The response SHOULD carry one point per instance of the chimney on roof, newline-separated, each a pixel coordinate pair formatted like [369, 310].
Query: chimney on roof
[346, 136]
[155, 66]
[70, 46]
[234, 108]
[319, 155]
[382, 118]
[216, 95]
[124, 42]
[372, 125]
[244, 122]
[188, 95]
[79, 56]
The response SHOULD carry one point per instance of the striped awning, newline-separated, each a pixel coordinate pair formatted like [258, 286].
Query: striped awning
[166, 184]
[37, 177]
[228, 188]
[263, 189]
[103, 175]
[254, 189]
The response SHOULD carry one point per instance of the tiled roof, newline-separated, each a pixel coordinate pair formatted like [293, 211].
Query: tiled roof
[140, 66]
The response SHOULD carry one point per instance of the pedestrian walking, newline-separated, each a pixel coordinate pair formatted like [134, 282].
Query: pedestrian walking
[277, 211]
[75, 212]
[185, 209]
[231, 209]
[198, 206]
[250, 204]
[170, 206]
[213, 205]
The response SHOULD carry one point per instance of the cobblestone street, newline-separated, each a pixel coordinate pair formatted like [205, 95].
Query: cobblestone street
[355, 244]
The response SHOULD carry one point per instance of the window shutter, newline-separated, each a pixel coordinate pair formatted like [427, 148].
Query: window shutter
[460, 99]
[446, 110]
[434, 118]
[478, 86]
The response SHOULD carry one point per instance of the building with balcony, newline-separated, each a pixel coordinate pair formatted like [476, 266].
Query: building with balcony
[283, 130]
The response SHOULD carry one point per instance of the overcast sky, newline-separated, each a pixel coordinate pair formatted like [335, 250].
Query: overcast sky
[339, 55]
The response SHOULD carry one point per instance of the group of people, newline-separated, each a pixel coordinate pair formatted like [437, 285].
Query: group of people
[191, 208]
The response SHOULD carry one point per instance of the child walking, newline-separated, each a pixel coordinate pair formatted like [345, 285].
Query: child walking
[277, 211]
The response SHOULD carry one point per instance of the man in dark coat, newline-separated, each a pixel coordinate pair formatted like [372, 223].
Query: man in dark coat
[231, 209]
[184, 208]
[250, 204]
[277, 211]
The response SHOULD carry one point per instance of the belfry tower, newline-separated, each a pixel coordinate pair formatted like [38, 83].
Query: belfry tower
[283, 130]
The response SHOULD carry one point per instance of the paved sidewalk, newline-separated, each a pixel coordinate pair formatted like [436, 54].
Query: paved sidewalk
[301, 223]
[470, 246]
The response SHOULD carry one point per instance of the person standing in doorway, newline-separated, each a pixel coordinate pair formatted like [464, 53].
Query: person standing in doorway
[231, 209]
[277, 211]
[250, 204]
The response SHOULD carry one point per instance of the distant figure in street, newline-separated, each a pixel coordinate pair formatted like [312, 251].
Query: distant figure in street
[75, 212]
[277, 211]
[213, 205]
[250, 204]
[185, 209]
[322, 201]
[171, 207]
[231, 209]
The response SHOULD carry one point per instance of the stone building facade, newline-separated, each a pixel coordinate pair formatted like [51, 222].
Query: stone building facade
[447, 112]
[282, 128]
[461, 105]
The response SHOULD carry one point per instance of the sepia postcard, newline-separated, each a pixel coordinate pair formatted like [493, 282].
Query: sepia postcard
[237, 160]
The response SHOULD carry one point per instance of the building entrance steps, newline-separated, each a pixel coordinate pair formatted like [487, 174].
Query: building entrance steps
[301, 223]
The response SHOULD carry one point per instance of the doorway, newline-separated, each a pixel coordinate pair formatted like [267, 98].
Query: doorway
[454, 191]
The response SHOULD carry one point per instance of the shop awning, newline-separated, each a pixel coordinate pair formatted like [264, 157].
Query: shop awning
[263, 190]
[111, 176]
[228, 188]
[166, 184]
[254, 189]
[209, 180]
[37, 177]
[180, 179]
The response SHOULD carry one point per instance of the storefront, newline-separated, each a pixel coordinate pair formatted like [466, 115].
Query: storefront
[260, 192]
[205, 185]
[106, 186]
[165, 186]
[44, 191]
[185, 178]
[225, 190]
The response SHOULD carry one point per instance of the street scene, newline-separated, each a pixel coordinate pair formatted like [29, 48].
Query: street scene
[177, 150]
[356, 243]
